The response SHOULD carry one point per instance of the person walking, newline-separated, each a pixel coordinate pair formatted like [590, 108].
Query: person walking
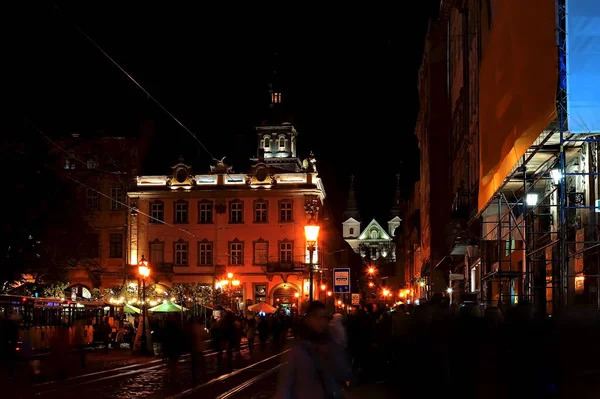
[317, 367]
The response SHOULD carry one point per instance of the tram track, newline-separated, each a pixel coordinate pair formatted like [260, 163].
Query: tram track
[113, 373]
[219, 387]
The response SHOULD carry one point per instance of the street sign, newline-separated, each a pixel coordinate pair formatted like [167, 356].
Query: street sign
[341, 280]
[355, 299]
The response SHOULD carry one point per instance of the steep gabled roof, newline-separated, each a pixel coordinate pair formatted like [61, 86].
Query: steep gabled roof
[364, 235]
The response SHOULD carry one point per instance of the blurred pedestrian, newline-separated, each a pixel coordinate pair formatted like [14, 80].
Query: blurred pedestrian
[317, 367]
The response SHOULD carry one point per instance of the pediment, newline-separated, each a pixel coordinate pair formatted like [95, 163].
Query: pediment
[374, 226]
[351, 221]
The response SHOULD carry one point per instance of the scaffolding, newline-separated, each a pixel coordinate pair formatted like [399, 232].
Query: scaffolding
[540, 232]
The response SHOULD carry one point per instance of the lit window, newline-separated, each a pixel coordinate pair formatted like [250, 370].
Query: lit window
[157, 212]
[285, 252]
[260, 253]
[181, 212]
[260, 212]
[181, 253]
[276, 98]
[285, 211]
[205, 212]
[205, 254]
[236, 212]
[236, 253]
[116, 199]
[157, 253]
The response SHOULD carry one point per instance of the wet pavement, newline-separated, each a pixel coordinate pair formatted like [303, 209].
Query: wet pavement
[120, 375]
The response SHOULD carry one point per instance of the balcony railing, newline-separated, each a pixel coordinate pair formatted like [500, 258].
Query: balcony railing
[284, 267]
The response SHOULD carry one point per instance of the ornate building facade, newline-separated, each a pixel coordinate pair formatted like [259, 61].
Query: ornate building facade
[373, 242]
[243, 228]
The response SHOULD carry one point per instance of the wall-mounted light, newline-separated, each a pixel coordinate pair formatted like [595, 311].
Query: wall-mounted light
[556, 175]
[532, 199]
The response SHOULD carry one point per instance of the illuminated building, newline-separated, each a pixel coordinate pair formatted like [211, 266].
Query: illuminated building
[509, 178]
[196, 227]
[100, 167]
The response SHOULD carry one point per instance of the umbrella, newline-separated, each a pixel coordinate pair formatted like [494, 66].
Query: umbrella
[262, 307]
[166, 307]
[131, 309]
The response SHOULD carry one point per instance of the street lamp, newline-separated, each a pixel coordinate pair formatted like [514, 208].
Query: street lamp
[144, 272]
[311, 232]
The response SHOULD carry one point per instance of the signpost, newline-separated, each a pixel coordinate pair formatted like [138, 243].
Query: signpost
[355, 299]
[341, 280]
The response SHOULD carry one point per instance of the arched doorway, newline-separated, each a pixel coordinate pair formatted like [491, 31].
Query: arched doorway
[284, 297]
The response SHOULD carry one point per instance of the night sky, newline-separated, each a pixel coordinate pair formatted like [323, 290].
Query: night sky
[349, 76]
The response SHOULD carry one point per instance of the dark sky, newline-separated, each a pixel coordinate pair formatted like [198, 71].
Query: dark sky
[350, 78]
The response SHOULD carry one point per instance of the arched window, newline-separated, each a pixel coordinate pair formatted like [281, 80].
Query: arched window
[267, 143]
[374, 234]
[351, 230]
[281, 143]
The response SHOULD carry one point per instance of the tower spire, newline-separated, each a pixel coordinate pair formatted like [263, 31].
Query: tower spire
[352, 207]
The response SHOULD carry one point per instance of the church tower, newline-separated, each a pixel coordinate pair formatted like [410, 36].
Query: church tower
[276, 135]
[395, 220]
[351, 224]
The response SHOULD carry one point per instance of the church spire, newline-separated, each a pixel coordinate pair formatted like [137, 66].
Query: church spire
[352, 208]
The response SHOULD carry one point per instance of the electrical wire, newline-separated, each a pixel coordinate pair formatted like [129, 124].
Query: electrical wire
[121, 203]
[150, 96]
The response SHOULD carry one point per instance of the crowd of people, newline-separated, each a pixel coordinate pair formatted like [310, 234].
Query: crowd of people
[435, 350]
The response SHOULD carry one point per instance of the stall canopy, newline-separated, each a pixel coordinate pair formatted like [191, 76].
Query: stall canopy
[262, 307]
[131, 309]
[166, 307]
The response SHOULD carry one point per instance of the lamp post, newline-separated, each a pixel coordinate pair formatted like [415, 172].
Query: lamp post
[229, 284]
[144, 272]
[311, 231]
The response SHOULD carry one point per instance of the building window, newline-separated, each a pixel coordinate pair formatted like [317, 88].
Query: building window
[374, 234]
[351, 230]
[260, 211]
[181, 212]
[92, 245]
[276, 98]
[116, 199]
[286, 252]
[181, 253]
[236, 253]
[281, 143]
[285, 211]
[236, 212]
[205, 253]
[261, 252]
[205, 212]
[91, 199]
[157, 253]
[116, 246]
[260, 293]
[157, 212]
[92, 162]
[267, 143]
